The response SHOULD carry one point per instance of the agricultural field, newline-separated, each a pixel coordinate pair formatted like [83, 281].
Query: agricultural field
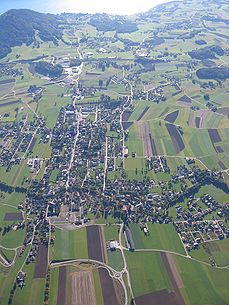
[149, 274]
[161, 237]
[83, 284]
[114, 168]
[70, 245]
[198, 292]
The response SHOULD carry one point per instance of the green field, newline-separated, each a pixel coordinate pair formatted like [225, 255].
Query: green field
[70, 244]
[219, 250]
[162, 237]
[111, 232]
[115, 260]
[147, 272]
[203, 284]
[33, 292]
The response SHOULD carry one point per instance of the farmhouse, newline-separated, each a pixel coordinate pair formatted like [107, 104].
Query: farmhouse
[113, 245]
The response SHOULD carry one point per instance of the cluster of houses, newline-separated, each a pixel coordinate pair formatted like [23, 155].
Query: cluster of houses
[155, 95]
[18, 139]
[193, 233]
[158, 164]
[8, 69]
[198, 223]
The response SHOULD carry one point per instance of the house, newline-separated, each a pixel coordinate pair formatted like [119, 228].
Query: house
[113, 245]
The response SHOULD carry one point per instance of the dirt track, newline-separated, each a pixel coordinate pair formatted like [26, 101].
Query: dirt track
[173, 276]
[83, 292]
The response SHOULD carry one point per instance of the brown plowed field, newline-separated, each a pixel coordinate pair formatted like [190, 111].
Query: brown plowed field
[143, 113]
[222, 165]
[191, 118]
[108, 290]
[219, 149]
[153, 146]
[214, 135]
[197, 122]
[83, 292]
[9, 103]
[126, 115]
[119, 292]
[41, 262]
[126, 125]
[32, 144]
[176, 137]
[162, 297]
[7, 81]
[172, 116]
[224, 111]
[62, 286]
[173, 276]
[95, 244]
[185, 99]
[13, 216]
[145, 136]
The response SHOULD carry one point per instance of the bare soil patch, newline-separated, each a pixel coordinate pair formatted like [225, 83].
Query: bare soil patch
[13, 216]
[108, 290]
[222, 165]
[32, 144]
[7, 81]
[214, 135]
[224, 111]
[176, 137]
[83, 292]
[185, 99]
[62, 286]
[10, 103]
[95, 244]
[197, 122]
[174, 271]
[191, 122]
[219, 149]
[171, 117]
[126, 115]
[119, 292]
[162, 297]
[173, 276]
[126, 125]
[145, 136]
[143, 113]
[153, 145]
[41, 262]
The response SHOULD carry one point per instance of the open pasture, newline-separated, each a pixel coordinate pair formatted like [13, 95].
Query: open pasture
[147, 275]
[70, 244]
[219, 250]
[202, 284]
[161, 236]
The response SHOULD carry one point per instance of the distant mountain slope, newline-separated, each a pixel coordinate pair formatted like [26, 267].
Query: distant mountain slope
[19, 26]
[106, 23]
